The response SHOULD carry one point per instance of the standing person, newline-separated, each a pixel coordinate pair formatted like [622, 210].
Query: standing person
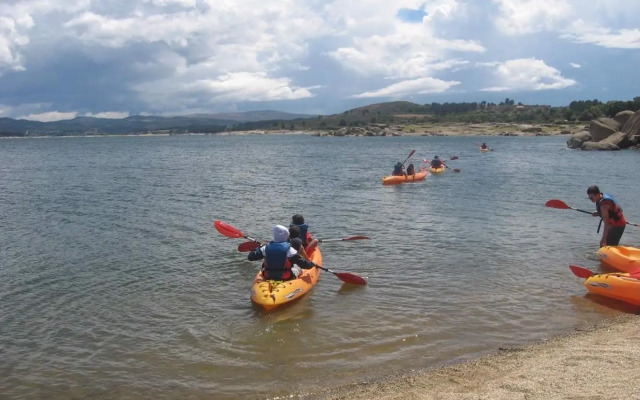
[610, 213]
[307, 240]
[398, 169]
[279, 257]
[411, 170]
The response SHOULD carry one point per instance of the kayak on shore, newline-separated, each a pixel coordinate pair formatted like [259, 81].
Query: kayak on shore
[622, 258]
[621, 286]
[270, 294]
[396, 179]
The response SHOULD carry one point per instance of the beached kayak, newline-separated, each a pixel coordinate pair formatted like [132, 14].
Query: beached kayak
[622, 258]
[270, 294]
[620, 286]
[396, 179]
[441, 169]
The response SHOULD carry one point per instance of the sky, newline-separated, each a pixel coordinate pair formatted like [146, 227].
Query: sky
[61, 59]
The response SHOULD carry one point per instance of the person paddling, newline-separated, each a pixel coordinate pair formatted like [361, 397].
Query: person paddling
[610, 213]
[398, 169]
[281, 261]
[436, 162]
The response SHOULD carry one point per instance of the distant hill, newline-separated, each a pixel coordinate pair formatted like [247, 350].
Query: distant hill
[202, 123]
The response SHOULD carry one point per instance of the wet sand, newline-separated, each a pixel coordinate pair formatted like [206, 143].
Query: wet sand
[594, 362]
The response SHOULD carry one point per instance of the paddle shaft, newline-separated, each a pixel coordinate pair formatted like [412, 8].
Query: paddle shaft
[408, 157]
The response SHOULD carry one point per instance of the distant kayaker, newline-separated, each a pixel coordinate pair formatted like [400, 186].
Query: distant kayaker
[307, 239]
[436, 162]
[281, 261]
[610, 213]
[484, 146]
[411, 170]
[398, 169]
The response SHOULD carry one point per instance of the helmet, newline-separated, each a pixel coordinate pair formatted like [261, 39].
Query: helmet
[280, 233]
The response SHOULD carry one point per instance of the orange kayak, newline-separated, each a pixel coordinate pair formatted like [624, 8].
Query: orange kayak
[620, 286]
[622, 258]
[270, 294]
[396, 179]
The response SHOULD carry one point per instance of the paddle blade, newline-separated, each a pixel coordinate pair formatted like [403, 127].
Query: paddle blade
[555, 203]
[454, 157]
[248, 246]
[580, 272]
[456, 170]
[412, 153]
[357, 237]
[350, 278]
[228, 230]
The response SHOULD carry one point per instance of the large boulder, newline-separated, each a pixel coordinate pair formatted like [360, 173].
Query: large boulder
[623, 116]
[576, 140]
[602, 128]
[598, 146]
[632, 125]
[620, 139]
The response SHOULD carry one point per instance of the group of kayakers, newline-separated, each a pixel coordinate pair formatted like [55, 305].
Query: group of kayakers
[286, 255]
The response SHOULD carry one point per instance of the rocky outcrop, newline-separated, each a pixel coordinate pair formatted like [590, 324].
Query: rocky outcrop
[619, 132]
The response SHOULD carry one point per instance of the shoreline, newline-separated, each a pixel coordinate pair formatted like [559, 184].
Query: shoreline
[600, 361]
[425, 129]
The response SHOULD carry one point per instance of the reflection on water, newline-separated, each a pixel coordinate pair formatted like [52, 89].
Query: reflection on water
[114, 284]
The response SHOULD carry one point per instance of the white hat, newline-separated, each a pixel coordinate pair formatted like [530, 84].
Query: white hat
[280, 233]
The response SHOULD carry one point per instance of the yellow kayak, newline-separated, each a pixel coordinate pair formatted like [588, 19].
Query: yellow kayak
[622, 258]
[439, 170]
[619, 286]
[270, 294]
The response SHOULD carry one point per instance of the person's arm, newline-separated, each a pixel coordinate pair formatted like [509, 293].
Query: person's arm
[604, 209]
[256, 254]
[301, 262]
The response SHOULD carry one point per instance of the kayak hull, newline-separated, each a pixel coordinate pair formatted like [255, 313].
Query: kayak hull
[619, 286]
[485, 150]
[439, 170]
[622, 258]
[397, 179]
[270, 294]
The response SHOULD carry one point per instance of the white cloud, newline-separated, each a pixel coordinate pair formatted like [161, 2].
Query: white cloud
[575, 65]
[517, 17]
[108, 114]
[526, 74]
[582, 32]
[410, 87]
[50, 116]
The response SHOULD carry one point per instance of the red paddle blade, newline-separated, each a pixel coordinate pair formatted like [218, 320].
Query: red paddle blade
[248, 246]
[454, 157]
[357, 237]
[580, 272]
[228, 230]
[555, 203]
[456, 170]
[412, 153]
[350, 278]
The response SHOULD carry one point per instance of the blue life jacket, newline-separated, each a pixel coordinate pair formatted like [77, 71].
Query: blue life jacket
[304, 229]
[276, 264]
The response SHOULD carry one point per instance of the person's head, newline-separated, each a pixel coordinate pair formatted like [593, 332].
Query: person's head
[398, 164]
[294, 232]
[280, 233]
[593, 193]
[436, 157]
[484, 144]
[297, 219]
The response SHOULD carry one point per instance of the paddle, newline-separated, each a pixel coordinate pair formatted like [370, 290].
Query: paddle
[454, 158]
[555, 203]
[585, 273]
[230, 231]
[250, 246]
[357, 237]
[344, 276]
[408, 157]
[447, 167]
[580, 272]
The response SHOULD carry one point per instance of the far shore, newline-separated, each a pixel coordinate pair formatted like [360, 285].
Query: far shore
[424, 129]
[601, 361]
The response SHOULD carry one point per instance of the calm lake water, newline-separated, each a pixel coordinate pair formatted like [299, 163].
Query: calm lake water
[115, 285]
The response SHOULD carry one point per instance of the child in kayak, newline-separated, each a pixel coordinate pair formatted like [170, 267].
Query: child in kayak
[281, 261]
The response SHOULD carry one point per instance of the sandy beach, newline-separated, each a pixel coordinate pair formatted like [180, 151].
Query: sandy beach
[593, 362]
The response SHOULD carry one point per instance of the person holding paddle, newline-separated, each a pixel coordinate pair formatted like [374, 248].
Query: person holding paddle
[307, 240]
[398, 169]
[610, 213]
[281, 261]
[436, 162]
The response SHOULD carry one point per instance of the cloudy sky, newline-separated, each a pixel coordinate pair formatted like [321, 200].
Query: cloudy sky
[113, 58]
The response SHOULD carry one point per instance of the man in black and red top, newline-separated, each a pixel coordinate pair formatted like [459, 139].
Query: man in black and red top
[611, 214]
